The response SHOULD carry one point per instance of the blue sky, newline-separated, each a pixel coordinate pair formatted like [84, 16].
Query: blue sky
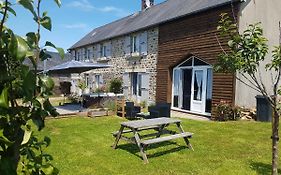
[74, 19]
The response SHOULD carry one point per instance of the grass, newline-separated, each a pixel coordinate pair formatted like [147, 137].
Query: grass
[81, 146]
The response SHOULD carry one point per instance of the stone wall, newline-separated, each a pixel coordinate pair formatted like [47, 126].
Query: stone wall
[121, 63]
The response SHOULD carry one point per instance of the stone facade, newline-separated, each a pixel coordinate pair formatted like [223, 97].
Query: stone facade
[122, 63]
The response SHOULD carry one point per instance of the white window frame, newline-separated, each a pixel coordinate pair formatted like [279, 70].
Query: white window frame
[134, 39]
[103, 50]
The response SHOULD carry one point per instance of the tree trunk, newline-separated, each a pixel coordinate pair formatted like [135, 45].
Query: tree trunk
[275, 140]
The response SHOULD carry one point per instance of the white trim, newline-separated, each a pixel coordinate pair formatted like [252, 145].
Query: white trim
[135, 70]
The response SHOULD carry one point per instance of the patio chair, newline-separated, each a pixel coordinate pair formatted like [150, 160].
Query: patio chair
[160, 110]
[132, 110]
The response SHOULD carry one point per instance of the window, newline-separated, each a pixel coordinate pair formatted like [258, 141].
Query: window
[98, 81]
[76, 55]
[135, 44]
[136, 79]
[139, 84]
[88, 54]
[103, 50]
[85, 54]
[87, 81]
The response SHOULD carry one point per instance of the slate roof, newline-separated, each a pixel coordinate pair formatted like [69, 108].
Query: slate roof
[50, 62]
[153, 16]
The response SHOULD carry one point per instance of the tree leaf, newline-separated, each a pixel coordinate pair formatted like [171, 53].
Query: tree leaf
[28, 5]
[48, 107]
[58, 2]
[31, 39]
[47, 140]
[38, 121]
[47, 82]
[46, 23]
[4, 103]
[60, 50]
[48, 169]
[12, 11]
[22, 48]
[26, 137]
[43, 55]
[3, 139]
[29, 85]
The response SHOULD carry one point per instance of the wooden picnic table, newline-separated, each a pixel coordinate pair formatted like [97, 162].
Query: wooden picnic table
[157, 124]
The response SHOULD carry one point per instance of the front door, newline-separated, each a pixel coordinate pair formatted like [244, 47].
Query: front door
[198, 92]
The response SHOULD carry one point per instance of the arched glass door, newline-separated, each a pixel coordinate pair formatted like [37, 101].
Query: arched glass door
[192, 86]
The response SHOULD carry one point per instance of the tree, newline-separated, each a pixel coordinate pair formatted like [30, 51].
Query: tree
[244, 57]
[24, 95]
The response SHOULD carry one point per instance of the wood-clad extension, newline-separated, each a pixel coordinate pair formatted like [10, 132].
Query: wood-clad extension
[193, 35]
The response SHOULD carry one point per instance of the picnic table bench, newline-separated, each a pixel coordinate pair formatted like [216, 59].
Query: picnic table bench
[158, 125]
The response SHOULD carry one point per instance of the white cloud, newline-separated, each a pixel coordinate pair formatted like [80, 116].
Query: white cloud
[76, 26]
[111, 9]
[84, 5]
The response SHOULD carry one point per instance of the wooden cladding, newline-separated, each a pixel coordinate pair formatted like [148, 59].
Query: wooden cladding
[193, 35]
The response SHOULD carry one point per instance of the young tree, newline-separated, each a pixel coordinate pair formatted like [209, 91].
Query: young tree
[246, 52]
[24, 94]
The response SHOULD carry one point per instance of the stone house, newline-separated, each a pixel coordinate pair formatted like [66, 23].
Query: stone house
[166, 52]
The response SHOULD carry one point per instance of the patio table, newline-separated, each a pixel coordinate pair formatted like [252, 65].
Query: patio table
[157, 124]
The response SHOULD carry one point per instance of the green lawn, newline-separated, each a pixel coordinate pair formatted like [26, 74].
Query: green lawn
[81, 146]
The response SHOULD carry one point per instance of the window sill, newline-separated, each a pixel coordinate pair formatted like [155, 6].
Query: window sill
[103, 59]
[135, 55]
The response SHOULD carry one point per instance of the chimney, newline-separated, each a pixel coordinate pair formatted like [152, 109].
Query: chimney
[146, 4]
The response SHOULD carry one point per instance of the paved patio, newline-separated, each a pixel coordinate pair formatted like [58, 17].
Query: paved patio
[189, 116]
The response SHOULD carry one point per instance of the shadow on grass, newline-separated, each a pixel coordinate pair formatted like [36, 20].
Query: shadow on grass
[133, 149]
[262, 168]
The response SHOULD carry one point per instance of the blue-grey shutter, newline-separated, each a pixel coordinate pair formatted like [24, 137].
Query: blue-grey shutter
[145, 87]
[127, 46]
[98, 53]
[94, 53]
[143, 43]
[138, 43]
[126, 84]
[108, 49]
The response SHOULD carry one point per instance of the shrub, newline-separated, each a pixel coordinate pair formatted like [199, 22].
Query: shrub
[143, 104]
[225, 111]
[101, 89]
[82, 85]
[115, 86]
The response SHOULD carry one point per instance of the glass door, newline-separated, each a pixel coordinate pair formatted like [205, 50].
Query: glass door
[198, 93]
